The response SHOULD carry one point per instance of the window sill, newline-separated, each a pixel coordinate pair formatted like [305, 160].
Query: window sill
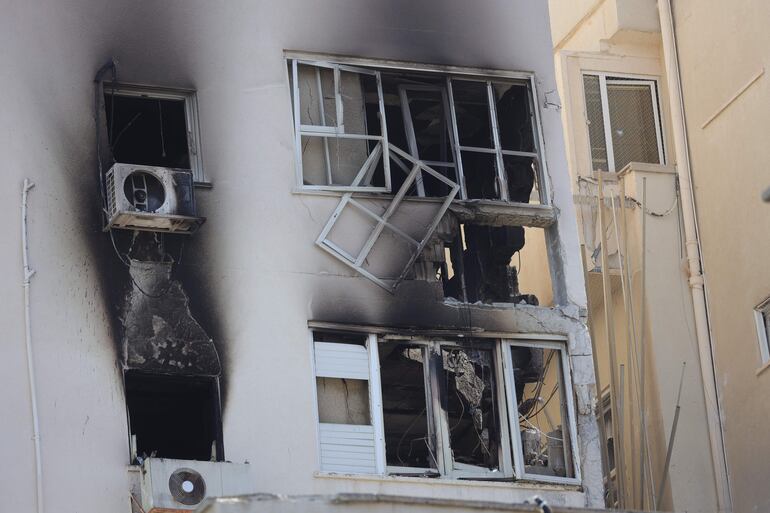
[479, 211]
[446, 481]
[763, 368]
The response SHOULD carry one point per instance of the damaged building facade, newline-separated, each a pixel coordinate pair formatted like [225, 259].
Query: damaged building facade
[295, 249]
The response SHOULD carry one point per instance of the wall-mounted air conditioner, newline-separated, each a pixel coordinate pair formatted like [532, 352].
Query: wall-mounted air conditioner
[148, 198]
[181, 485]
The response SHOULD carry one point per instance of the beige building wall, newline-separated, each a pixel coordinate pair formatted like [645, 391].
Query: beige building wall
[723, 54]
[622, 38]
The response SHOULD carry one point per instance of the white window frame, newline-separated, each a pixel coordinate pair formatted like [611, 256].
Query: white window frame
[763, 337]
[192, 122]
[622, 79]
[513, 411]
[510, 459]
[373, 67]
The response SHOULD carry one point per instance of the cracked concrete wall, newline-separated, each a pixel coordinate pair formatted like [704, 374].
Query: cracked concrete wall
[253, 276]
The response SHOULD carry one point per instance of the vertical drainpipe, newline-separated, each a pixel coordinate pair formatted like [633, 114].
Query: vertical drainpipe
[692, 246]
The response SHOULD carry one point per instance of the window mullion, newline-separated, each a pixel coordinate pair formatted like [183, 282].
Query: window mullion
[297, 131]
[456, 140]
[505, 454]
[375, 403]
[606, 118]
[439, 419]
[383, 132]
[502, 180]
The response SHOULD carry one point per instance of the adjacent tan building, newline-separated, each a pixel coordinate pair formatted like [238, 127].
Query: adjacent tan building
[646, 123]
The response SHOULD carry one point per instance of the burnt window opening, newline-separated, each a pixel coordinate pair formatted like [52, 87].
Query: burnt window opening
[152, 127]
[544, 416]
[462, 408]
[479, 133]
[174, 417]
[480, 264]
[441, 413]
[409, 435]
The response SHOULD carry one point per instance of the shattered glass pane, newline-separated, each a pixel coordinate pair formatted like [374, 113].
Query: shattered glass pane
[543, 416]
[514, 117]
[408, 434]
[474, 125]
[470, 406]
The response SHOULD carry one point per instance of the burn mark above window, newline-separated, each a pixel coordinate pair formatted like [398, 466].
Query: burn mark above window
[477, 132]
[152, 127]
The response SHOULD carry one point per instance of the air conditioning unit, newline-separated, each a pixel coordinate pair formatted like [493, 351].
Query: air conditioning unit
[149, 198]
[181, 485]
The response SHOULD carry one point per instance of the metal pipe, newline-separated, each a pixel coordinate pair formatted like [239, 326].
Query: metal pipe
[672, 436]
[631, 344]
[693, 253]
[28, 273]
[609, 324]
[643, 330]
[602, 425]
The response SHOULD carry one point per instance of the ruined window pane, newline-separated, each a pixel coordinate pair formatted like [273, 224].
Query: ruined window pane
[343, 401]
[474, 125]
[480, 171]
[408, 434]
[521, 174]
[148, 131]
[514, 117]
[316, 96]
[333, 160]
[470, 406]
[543, 415]
[486, 261]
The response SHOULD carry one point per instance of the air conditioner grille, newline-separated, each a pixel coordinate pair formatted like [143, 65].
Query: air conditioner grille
[187, 486]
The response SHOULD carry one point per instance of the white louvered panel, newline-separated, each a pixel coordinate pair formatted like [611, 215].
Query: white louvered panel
[347, 448]
[347, 361]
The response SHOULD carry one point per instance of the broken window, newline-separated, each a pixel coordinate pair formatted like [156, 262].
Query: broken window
[623, 121]
[476, 132]
[153, 127]
[762, 318]
[544, 410]
[173, 417]
[438, 408]
[482, 263]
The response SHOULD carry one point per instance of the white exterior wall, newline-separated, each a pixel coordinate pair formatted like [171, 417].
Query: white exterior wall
[253, 273]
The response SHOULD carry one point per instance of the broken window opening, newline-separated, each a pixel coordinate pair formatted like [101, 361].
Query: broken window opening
[174, 417]
[481, 134]
[477, 408]
[410, 444]
[470, 404]
[544, 411]
[484, 265]
[153, 127]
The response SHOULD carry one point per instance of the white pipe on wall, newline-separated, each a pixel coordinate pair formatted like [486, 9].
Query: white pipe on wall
[28, 341]
[692, 247]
